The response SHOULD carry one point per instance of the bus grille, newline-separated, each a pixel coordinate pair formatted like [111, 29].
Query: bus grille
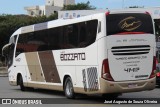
[90, 79]
[131, 50]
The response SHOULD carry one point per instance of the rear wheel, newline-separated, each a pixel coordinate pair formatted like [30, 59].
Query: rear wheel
[68, 88]
[20, 82]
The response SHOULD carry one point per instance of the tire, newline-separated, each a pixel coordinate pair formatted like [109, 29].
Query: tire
[68, 88]
[22, 87]
[111, 96]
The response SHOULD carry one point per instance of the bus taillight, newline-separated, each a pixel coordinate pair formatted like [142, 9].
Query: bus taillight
[107, 13]
[153, 67]
[106, 71]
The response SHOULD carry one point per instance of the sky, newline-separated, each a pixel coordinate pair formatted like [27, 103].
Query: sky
[17, 6]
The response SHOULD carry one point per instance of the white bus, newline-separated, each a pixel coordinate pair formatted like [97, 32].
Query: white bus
[106, 53]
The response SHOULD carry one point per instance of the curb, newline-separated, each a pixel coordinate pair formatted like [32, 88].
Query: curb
[3, 75]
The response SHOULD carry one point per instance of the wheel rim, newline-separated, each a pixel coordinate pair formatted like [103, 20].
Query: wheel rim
[69, 88]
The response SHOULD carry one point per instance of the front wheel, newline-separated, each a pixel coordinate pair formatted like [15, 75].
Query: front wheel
[68, 88]
[22, 87]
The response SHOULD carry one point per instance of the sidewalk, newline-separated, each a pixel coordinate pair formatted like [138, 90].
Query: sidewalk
[3, 72]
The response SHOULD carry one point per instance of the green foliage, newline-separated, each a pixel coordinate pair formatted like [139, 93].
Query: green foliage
[79, 6]
[52, 17]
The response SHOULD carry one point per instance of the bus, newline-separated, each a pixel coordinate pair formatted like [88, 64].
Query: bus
[105, 53]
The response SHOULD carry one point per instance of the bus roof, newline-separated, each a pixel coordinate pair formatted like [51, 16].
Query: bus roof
[56, 23]
[50, 24]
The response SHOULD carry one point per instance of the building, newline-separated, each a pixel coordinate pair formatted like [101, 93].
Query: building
[50, 7]
[153, 11]
[70, 14]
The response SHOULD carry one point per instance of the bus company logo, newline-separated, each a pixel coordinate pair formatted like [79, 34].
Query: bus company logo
[130, 23]
[72, 56]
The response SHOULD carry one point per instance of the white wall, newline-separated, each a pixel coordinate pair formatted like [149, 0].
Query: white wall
[51, 9]
[49, 2]
[67, 2]
[59, 3]
[42, 8]
[33, 9]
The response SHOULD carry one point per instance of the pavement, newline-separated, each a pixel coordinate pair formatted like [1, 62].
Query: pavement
[3, 72]
[13, 92]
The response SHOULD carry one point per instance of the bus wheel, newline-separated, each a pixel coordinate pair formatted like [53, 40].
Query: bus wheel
[111, 96]
[22, 87]
[68, 88]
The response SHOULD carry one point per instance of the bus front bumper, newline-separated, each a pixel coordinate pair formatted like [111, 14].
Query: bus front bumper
[129, 86]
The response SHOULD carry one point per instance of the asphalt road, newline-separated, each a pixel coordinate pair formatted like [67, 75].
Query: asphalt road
[7, 91]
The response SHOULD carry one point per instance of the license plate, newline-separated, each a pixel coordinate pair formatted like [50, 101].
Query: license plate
[132, 85]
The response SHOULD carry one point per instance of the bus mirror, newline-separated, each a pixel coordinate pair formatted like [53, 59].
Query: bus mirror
[5, 49]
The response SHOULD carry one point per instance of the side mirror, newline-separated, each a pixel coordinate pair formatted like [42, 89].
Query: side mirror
[6, 48]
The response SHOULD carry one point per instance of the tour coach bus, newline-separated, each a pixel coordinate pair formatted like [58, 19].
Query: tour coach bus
[106, 53]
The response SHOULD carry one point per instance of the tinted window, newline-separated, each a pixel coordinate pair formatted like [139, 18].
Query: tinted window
[76, 35]
[30, 42]
[55, 38]
[88, 32]
[129, 22]
[70, 36]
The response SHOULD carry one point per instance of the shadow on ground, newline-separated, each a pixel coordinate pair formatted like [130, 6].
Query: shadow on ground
[61, 99]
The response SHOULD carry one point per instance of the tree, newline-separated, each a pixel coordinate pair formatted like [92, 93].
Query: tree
[52, 17]
[79, 6]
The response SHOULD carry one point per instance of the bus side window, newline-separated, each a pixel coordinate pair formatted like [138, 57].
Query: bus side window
[70, 36]
[38, 41]
[92, 31]
[88, 32]
[73, 35]
[82, 35]
[20, 45]
[54, 35]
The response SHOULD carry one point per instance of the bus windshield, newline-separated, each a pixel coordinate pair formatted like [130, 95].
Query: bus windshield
[129, 23]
